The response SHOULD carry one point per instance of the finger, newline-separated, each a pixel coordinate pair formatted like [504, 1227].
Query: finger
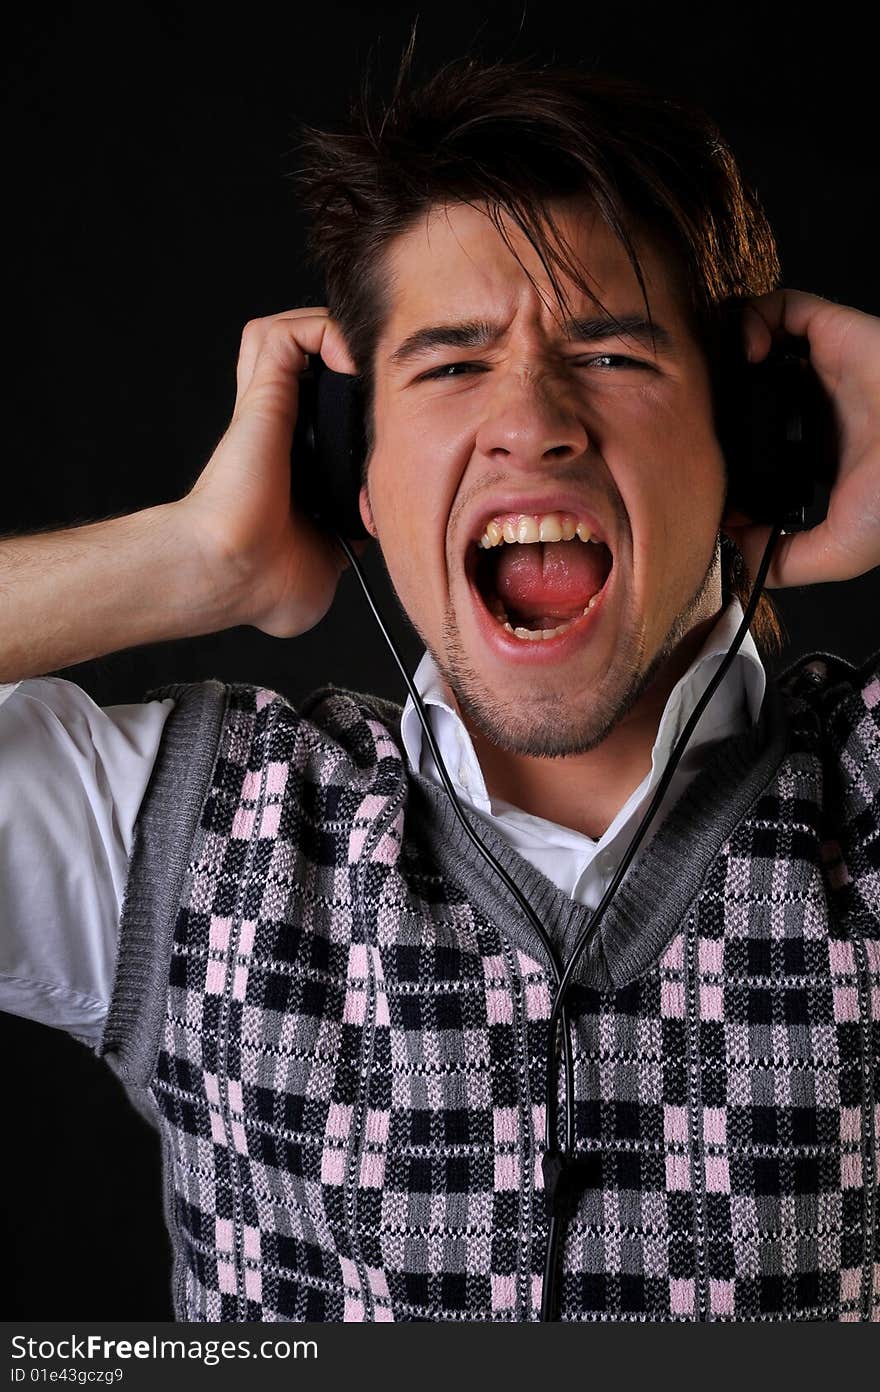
[757, 338]
[256, 331]
[798, 558]
[822, 322]
[312, 333]
[254, 335]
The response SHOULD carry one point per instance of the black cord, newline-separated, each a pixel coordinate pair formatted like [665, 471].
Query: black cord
[568, 1159]
[562, 1169]
[456, 806]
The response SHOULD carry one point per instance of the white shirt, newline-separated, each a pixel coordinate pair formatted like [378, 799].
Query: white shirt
[73, 775]
[576, 863]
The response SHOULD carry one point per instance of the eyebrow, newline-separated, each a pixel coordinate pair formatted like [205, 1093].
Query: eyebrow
[478, 333]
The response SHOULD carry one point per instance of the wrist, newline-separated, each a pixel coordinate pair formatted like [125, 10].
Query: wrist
[222, 582]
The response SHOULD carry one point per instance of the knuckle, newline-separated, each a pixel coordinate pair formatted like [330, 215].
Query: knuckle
[280, 327]
[277, 323]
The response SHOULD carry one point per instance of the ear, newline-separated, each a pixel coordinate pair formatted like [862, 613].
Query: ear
[367, 512]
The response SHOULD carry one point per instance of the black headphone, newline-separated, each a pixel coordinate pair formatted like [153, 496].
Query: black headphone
[776, 427]
[773, 421]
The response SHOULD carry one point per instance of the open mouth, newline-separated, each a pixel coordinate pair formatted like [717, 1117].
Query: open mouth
[538, 590]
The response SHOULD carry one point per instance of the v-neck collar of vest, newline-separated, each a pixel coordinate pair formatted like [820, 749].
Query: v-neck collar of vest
[662, 881]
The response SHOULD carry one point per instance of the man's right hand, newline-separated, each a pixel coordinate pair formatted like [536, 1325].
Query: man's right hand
[250, 534]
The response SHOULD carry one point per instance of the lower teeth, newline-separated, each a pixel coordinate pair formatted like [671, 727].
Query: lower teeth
[535, 635]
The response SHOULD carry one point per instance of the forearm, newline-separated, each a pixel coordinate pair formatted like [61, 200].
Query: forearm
[72, 595]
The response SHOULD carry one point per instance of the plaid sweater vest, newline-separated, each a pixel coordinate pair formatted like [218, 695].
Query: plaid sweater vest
[336, 1016]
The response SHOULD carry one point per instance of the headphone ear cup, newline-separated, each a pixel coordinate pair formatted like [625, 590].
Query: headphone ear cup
[329, 449]
[775, 426]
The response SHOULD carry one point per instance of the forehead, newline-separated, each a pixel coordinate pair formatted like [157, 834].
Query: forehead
[454, 258]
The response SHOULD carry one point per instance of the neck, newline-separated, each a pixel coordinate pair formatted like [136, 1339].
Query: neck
[586, 791]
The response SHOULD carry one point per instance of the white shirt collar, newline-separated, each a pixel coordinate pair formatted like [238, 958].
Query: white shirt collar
[744, 684]
[7, 689]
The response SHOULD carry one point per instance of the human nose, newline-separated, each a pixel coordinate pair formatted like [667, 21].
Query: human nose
[528, 421]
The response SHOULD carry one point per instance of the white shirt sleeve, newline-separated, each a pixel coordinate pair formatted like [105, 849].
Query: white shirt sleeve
[72, 778]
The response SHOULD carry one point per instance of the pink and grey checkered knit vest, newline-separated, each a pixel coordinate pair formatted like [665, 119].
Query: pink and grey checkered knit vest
[336, 1015]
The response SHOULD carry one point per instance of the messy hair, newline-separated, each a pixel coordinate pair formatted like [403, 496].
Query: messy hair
[511, 136]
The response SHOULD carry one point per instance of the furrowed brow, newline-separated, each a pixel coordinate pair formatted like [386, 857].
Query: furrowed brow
[473, 333]
[477, 333]
[626, 326]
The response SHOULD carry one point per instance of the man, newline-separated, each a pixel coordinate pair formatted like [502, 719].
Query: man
[334, 1012]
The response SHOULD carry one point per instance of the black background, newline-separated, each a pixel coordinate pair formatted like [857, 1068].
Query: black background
[148, 218]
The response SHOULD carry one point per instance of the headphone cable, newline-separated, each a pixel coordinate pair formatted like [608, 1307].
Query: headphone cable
[562, 1173]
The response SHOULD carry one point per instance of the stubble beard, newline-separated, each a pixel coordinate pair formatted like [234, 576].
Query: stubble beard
[544, 724]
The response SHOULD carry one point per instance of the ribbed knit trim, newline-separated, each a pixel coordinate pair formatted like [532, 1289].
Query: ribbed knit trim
[661, 883]
[161, 850]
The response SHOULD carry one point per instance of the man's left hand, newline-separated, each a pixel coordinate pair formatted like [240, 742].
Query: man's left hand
[845, 354]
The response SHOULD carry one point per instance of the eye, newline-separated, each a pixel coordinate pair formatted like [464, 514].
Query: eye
[443, 371]
[615, 357]
[446, 371]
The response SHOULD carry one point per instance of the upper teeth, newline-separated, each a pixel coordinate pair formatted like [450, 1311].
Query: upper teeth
[550, 526]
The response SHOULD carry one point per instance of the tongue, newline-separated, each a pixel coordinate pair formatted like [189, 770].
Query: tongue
[550, 579]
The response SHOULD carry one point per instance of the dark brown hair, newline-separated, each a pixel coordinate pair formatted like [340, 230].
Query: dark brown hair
[513, 135]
